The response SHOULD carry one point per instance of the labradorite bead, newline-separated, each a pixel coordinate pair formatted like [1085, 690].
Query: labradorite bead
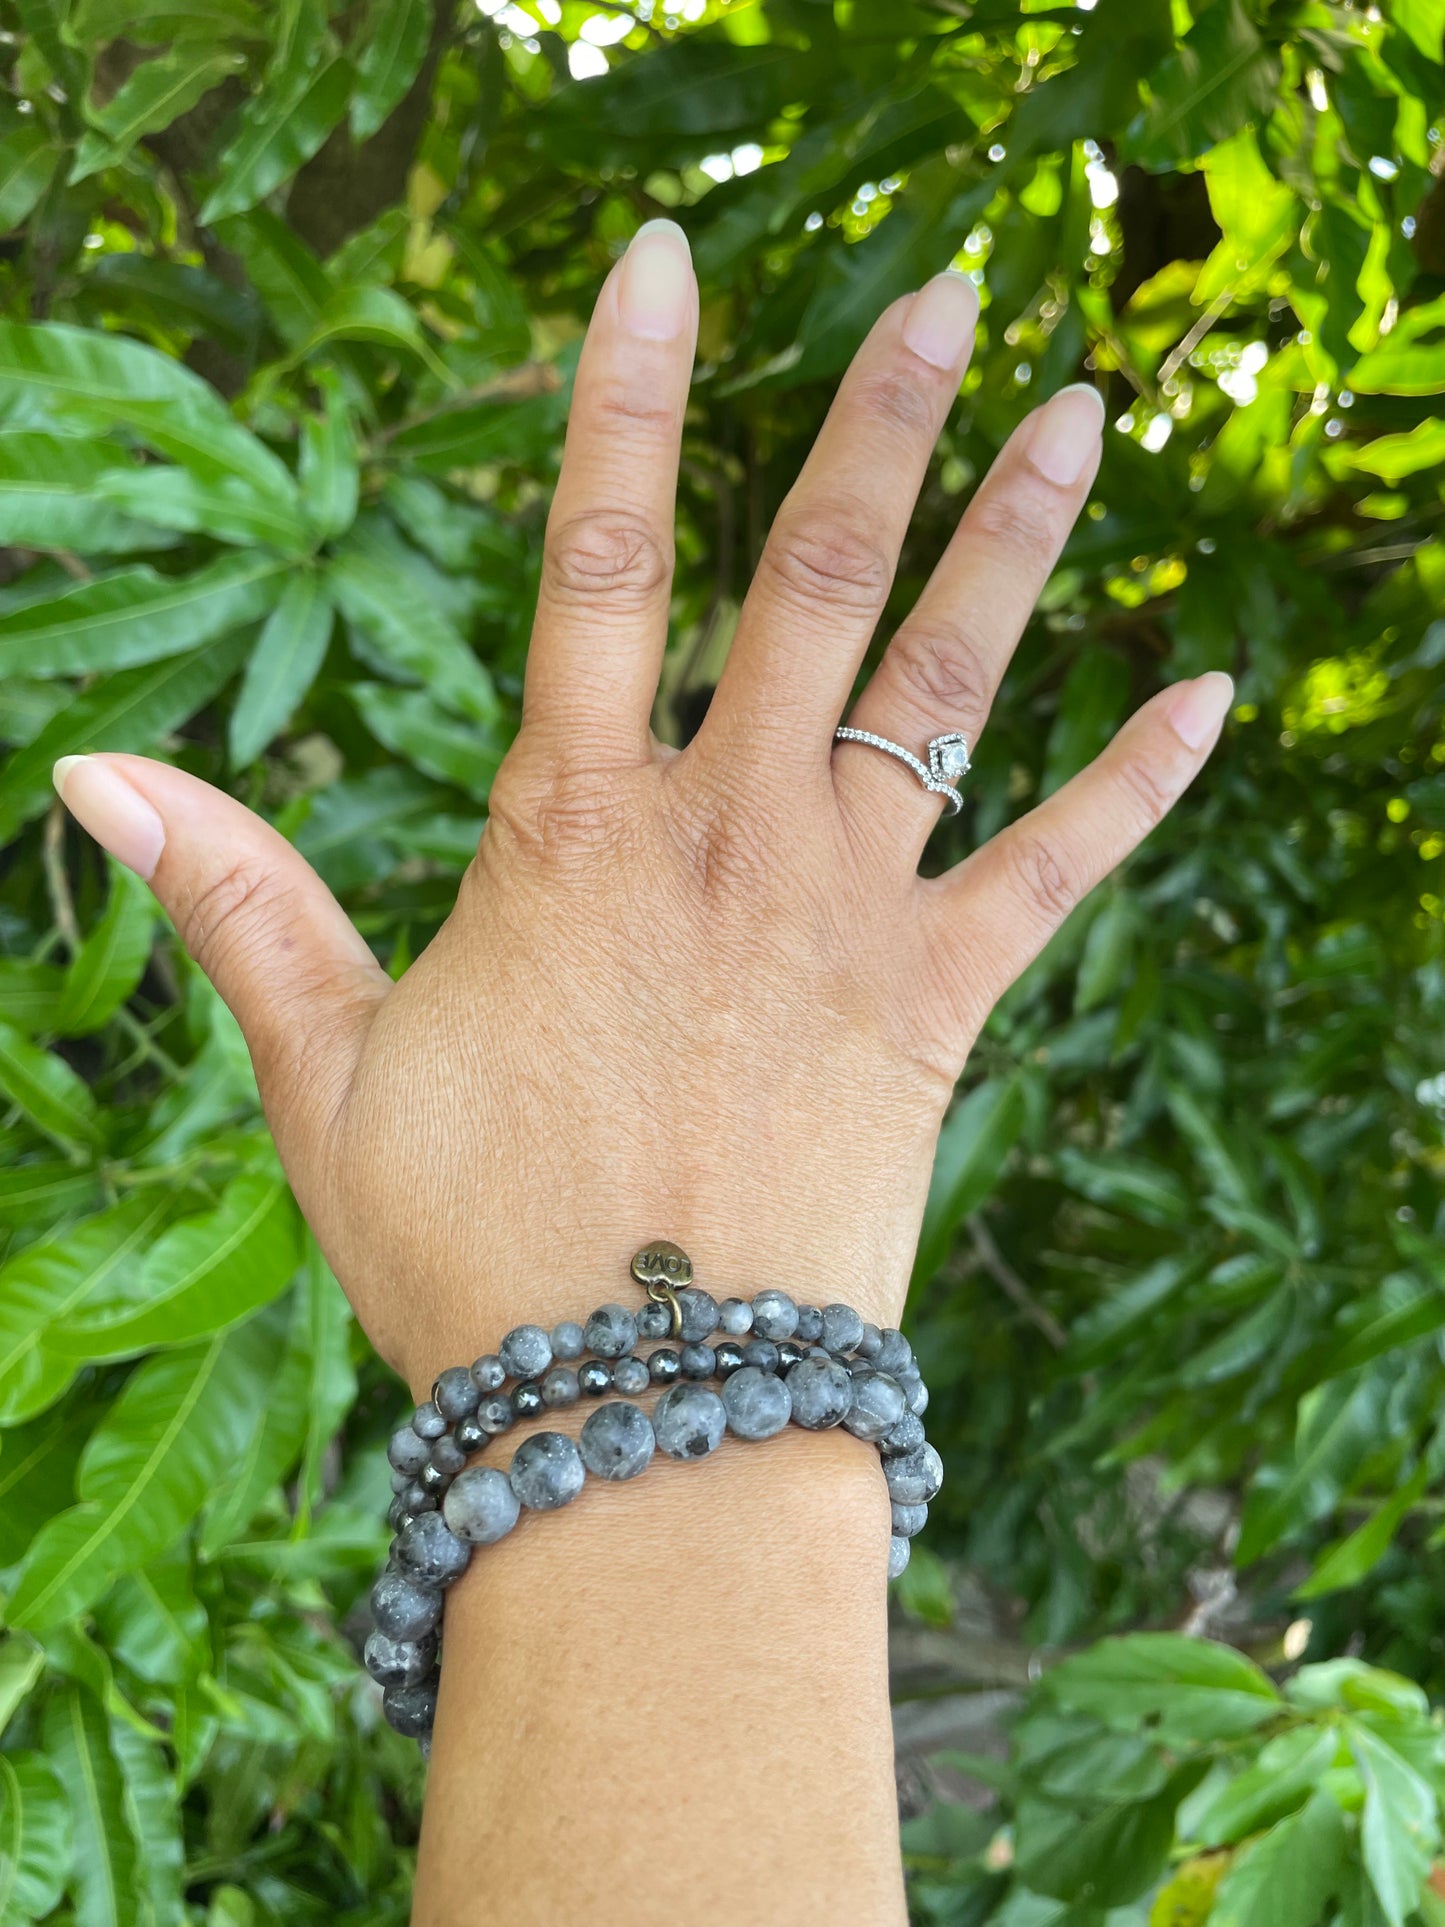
[400, 1481]
[906, 1436]
[859, 1367]
[878, 1404]
[916, 1392]
[407, 1450]
[617, 1441]
[775, 1315]
[842, 1328]
[455, 1393]
[735, 1317]
[481, 1506]
[397, 1515]
[495, 1413]
[916, 1478]
[895, 1354]
[654, 1321]
[630, 1375]
[698, 1361]
[689, 1421]
[526, 1351]
[560, 1386]
[418, 1497]
[611, 1331]
[468, 1433]
[699, 1315]
[399, 1662]
[402, 1609]
[568, 1340]
[527, 1398]
[790, 1353]
[427, 1422]
[664, 1366]
[909, 1519]
[810, 1325]
[729, 1357]
[546, 1472]
[447, 1457]
[821, 1391]
[900, 1551]
[871, 1342]
[489, 1373]
[758, 1404]
[431, 1552]
[411, 1710]
[761, 1352]
[595, 1377]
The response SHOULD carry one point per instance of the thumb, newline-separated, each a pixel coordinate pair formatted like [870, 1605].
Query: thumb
[258, 920]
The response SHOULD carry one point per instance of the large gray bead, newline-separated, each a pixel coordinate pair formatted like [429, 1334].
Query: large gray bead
[900, 1551]
[430, 1551]
[481, 1506]
[822, 1392]
[427, 1422]
[895, 1354]
[758, 1404]
[526, 1351]
[775, 1316]
[810, 1325]
[455, 1393]
[871, 1343]
[699, 1315]
[842, 1328]
[611, 1331]
[447, 1457]
[560, 1387]
[698, 1361]
[735, 1316]
[489, 1373]
[906, 1436]
[916, 1392]
[402, 1609]
[547, 1472]
[617, 1441]
[909, 1520]
[654, 1321]
[408, 1451]
[878, 1404]
[412, 1710]
[631, 1375]
[569, 1341]
[399, 1662]
[915, 1478]
[690, 1421]
[495, 1413]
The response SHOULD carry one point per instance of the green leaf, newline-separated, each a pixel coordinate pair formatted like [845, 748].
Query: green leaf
[105, 1872]
[1348, 1561]
[1352, 1685]
[34, 1839]
[284, 125]
[111, 962]
[223, 506]
[1288, 1770]
[157, 93]
[182, 1419]
[1338, 1424]
[1108, 950]
[374, 314]
[1186, 1689]
[154, 1624]
[1393, 457]
[28, 158]
[1105, 1857]
[282, 667]
[1400, 1829]
[48, 1091]
[393, 41]
[153, 1814]
[480, 432]
[409, 722]
[973, 1147]
[1125, 1183]
[330, 480]
[417, 643]
[1091, 705]
[48, 499]
[1221, 76]
[22, 1662]
[1286, 1878]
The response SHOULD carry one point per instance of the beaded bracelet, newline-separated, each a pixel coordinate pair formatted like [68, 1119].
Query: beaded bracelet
[777, 1362]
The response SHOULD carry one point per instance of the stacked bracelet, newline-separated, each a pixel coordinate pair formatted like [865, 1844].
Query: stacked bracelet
[773, 1362]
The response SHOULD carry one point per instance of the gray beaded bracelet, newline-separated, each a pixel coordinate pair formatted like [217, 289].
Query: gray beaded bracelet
[777, 1362]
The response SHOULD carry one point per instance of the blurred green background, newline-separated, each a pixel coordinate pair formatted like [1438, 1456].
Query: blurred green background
[293, 296]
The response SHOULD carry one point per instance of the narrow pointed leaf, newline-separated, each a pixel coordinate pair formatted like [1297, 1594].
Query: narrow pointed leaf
[1400, 1829]
[283, 128]
[418, 644]
[48, 1091]
[28, 158]
[282, 666]
[112, 960]
[78, 1747]
[329, 477]
[158, 92]
[48, 498]
[173, 498]
[393, 39]
[35, 1834]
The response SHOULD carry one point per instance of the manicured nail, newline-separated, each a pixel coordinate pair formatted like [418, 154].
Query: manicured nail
[117, 816]
[940, 322]
[654, 296]
[1200, 707]
[1066, 433]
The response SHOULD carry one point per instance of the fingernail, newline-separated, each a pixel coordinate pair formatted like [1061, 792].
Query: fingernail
[654, 296]
[117, 816]
[941, 319]
[1200, 707]
[1066, 433]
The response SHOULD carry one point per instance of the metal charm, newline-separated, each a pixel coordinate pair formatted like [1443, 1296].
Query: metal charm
[663, 1270]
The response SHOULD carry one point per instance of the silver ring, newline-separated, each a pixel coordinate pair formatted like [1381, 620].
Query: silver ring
[947, 761]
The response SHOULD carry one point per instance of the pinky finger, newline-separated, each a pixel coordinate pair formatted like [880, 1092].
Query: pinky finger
[993, 913]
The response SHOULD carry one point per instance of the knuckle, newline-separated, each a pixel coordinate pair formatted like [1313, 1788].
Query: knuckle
[1147, 791]
[897, 401]
[1016, 520]
[243, 908]
[1053, 888]
[818, 555]
[603, 557]
[944, 671]
[621, 404]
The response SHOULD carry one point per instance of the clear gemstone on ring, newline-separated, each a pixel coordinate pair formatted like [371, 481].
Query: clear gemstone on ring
[949, 755]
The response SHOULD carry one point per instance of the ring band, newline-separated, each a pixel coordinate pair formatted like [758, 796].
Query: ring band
[946, 766]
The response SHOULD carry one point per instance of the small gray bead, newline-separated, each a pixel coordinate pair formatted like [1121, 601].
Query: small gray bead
[407, 1450]
[699, 1315]
[468, 1434]
[900, 1551]
[916, 1478]
[427, 1422]
[402, 1609]
[611, 1331]
[399, 1662]
[859, 1366]
[481, 1506]
[630, 1375]
[417, 1497]
[689, 1421]
[775, 1315]
[735, 1316]
[698, 1361]
[916, 1392]
[842, 1328]
[430, 1551]
[547, 1472]
[455, 1393]
[489, 1373]
[432, 1478]
[821, 1391]
[526, 1351]
[654, 1321]
[763, 1353]
[878, 1404]
[729, 1357]
[560, 1386]
[617, 1441]
[495, 1413]
[909, 1519]
[871, 1342]
[411, 1710]
[758, 1404]
[665, 1366]
[906, 1436]
[569, 1341]
[895, 1354]
[447, 1457]
[810, 1325]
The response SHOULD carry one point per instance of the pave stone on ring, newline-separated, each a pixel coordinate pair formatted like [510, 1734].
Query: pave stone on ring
[947, 760]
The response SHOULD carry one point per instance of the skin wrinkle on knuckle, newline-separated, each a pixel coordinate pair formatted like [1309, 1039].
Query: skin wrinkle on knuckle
[1048, 886]
[1020, 519]
[945, 673]
[1151, 795]
[898, 400]
[819, 554]
[606, 558]
[626, 405]
[244, 907]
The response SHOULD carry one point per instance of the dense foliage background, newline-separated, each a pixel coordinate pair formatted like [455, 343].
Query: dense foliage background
[293, 295]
